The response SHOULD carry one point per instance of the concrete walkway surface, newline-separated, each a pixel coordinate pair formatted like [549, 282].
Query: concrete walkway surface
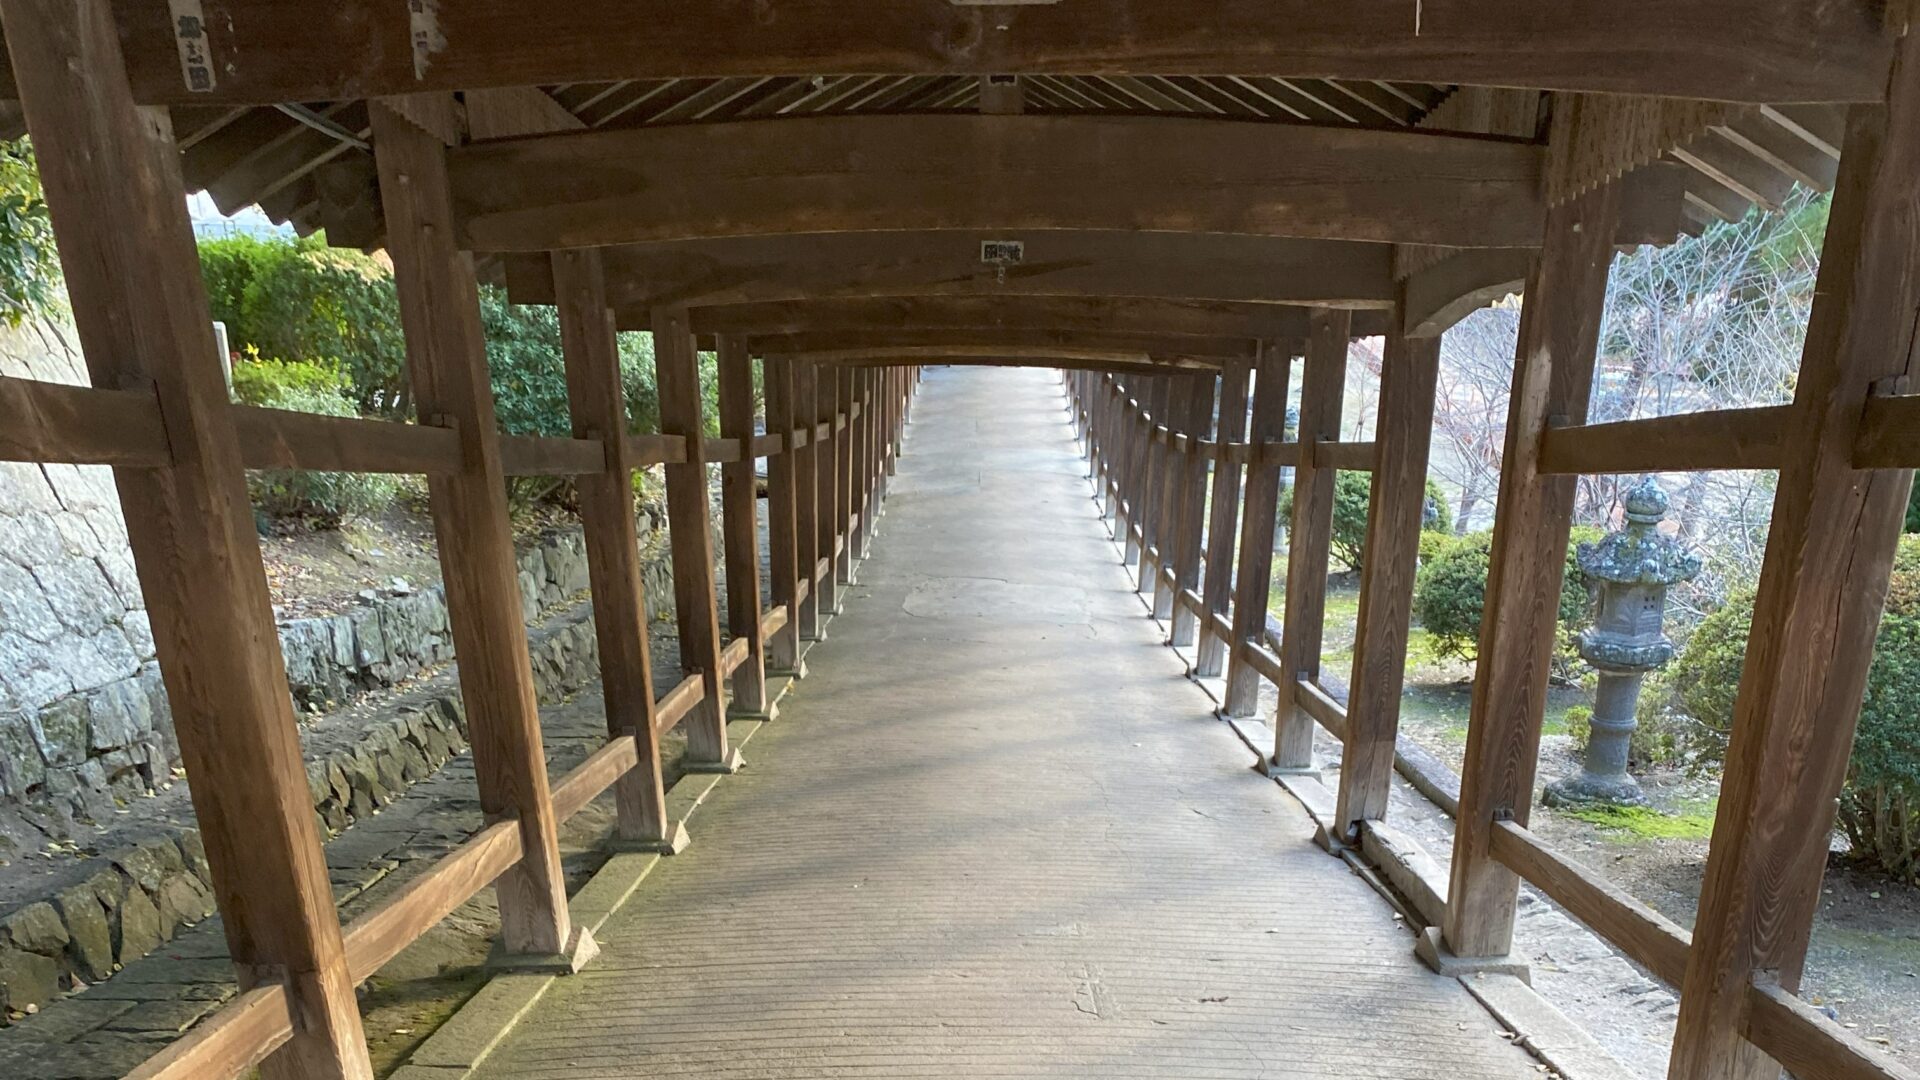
[997, 833]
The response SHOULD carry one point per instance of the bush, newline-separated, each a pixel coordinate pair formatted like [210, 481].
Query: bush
[1352, 495]
[321, 499]
[1449, 596]
[1880, 803]
[313, 302]
[29, 265]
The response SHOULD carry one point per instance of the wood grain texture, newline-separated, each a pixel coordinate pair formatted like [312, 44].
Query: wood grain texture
[447, 366]
[1410, 371]
[80, 425]
[888, 173]
[228, 1043]
[1752, 438]
[411, 910]
[1223, 519]
[1647, 937]
[689, 521]
[1310, 535]
[1553, 376]
[740, 528]
[1253, 568]
[783, 562]
[110, 172]
[265, 53]
[596, 406]
[1822, 585]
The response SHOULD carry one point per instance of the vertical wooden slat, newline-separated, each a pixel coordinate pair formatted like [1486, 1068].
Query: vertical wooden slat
[1822, 584]
[1403, 430]
[112, 180]
[806, 506]
[1253, 568]
[740, 527]
[1310, 534]
[1147, 516]
[596, 403]
[1135, 429]
[783, 541]
[1172, 415]
[447, 368]
[1189, 517]
[690, 530]
[843, 442]
[1222, 521]
[862, 450]
[827, 508]
[1552, 380]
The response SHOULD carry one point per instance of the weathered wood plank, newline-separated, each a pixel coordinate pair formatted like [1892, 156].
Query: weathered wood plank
[1753, 438]
[260, 53]
[1253, 572]
[1649, 938]
[740, 529]
[1823, 582]
[905, 341]
[80, 425]
[783, 643]
[1190, 511]
[447, 366]
[379, 935]
[1223, 520]
[1060, 314]
[596, 405]
[889, 173]
[228, 1043]
[1811, 1044]
[112, 183]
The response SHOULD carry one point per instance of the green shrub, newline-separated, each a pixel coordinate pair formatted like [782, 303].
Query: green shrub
[1880, 803]
[227, 266]
[29, 265]
[319, 499]
[1352, 495]
[1449, 595]
[311, 302]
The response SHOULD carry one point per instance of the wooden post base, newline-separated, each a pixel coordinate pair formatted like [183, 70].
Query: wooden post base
[726, 766]
[673, 843]
[1432, 950]
[580, 951]
[771, 712]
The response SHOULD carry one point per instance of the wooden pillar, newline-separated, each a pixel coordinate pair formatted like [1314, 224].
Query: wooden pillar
[1153, 494]
[862, 444]
[1222, 522]
[1310, 534]
[1140, 467]
[1189, 515]
[806, 504]
[783, 539]
[740, 528]
[1403, 429]
[1253, 574]
[447, 368]
[827, 499]
[1552, 380]
[1114, 429]
[112, 180]
[690, 529]
[597, 404]
[845, 435]
[1822, 585]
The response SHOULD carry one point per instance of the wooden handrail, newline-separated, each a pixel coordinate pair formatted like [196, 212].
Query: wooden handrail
[80, 425]
[1320, 705]
[549, 455]
[1809, 1043]
[1348, 456]
[378, 936]
[1689, 442]
[734, 655]
[238, 1037]
[677, 703]
[594, 775]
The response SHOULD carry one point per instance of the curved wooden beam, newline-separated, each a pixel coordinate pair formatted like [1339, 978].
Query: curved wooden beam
[1182, 266]
[263, 51]
[955, 171]
[1459, 285]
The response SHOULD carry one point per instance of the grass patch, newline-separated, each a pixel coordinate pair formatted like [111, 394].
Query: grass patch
[1646, 823]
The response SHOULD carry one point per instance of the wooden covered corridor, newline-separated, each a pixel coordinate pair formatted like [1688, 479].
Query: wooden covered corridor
[1167, 203]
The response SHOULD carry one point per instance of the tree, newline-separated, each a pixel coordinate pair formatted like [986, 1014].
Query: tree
[29, 264]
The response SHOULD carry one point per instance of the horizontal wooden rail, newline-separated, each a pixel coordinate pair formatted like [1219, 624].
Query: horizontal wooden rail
[282, 439]
[775, 618]
[734, 655]
[1190, 600]
[657, 449]
[1320, 705]
[1889, 434]
[550, 455]
[720, 450]
[80, 425]
[1219, 625]
[770, 445]
[1809, 1043]
[1351, 456]
[1689, 442]
[678, 702]
[229, 1042]
[1275, 452]
[378, 936]
[596, 774]
[1649, 938]
[1264, 661]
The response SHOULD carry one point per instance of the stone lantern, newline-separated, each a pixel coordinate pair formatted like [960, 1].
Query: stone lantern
[1634, 568]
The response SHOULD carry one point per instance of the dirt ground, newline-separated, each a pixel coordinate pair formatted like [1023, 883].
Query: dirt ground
[1864, 962]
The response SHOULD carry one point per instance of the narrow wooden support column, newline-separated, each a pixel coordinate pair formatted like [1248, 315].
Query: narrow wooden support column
[690, 529]
[1155, 553]
[1310, 534]
[1253, 568]
[1552, 380]
[845, 436]
[447, 367]
[740, 528]
[1139, 501]
[783, 540]
[862, 449]
[1822, 585]
[896, 379]
[1114, 400]
[827, 497]
[806, 505]
[1222, 520]
[597, 404]
[1403, 430]
[112, 180]
[1190, 508]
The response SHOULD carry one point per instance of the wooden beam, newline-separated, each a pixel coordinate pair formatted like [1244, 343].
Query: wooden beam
[1822, 586]
[740, 530]
[1310, 538]
[1058, 314]
[1410, 372]
[1189, 509]
[901, 341]
[80, 425]
[1184, 266]
[1440, 295]
[689, 522]
[1253, 575]
[1753, 438]
[843, 442]
[1223, 520]
[889, 173]
[228, 1043]
[961, 351]
[1647, 937]
[260, 53]
[111, 175]
[1811, 1044]
[596, 406]
[447, 365]
[1553, 377]
[1889, 434]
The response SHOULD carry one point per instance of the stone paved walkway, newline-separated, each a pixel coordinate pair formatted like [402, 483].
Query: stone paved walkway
[997, 833]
